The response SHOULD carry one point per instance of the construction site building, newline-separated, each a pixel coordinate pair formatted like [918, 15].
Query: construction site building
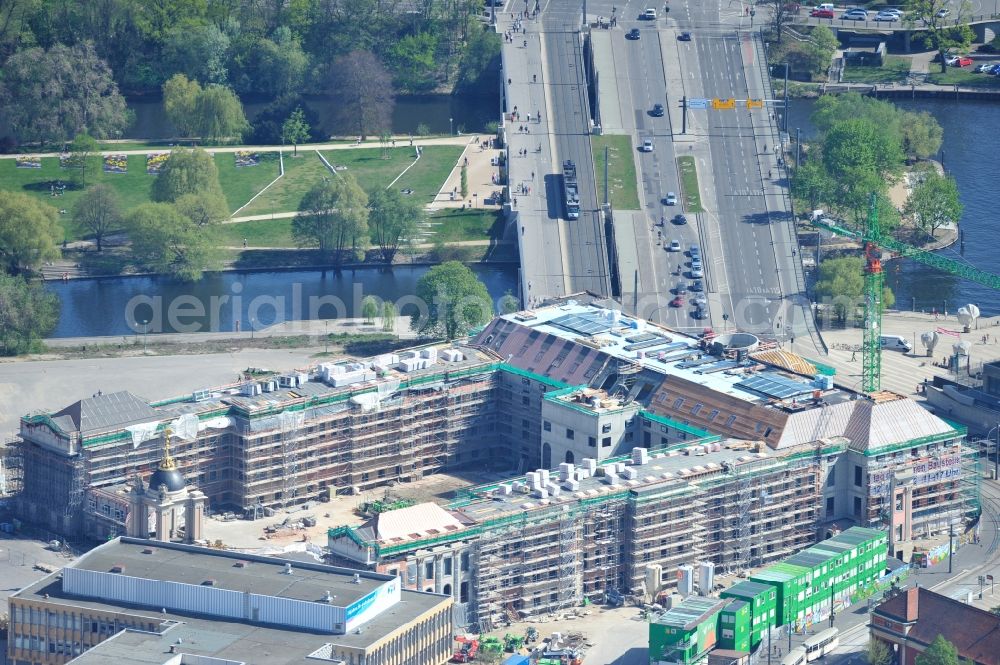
[631, 449]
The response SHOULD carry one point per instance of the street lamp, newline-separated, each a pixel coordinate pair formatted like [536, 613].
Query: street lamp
[451, 126]
[326, 336]
[252, 322]
[145, 324]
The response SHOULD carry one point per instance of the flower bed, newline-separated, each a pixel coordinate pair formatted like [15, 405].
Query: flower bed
[26, 162]
[246, 158]
[66, 160]
[116, 163]
[155, 161]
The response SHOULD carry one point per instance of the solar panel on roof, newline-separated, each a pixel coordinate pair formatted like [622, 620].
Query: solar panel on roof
[774, 386]
[583, 324]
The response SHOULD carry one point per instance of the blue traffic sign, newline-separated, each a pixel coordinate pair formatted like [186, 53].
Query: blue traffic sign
[698, 103]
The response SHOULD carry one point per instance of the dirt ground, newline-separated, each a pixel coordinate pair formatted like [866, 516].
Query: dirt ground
[339, 511]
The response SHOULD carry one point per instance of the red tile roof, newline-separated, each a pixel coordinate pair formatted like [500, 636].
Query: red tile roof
[974, 632]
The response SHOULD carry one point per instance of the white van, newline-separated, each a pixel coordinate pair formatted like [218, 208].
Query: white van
[825, 5]
[895, 343]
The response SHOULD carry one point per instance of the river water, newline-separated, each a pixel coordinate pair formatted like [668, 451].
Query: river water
[118, 306]
[971, 146]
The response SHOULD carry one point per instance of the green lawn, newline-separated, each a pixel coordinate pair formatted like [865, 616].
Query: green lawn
[427, 176]
[963, 76]
[689, 184]
[621, 170]
[894, 69]
[455, 225]
[258, 233]
[446, 226]
[240, 184]
[301, 173]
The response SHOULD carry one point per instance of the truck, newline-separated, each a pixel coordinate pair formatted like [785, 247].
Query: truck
[571, 190]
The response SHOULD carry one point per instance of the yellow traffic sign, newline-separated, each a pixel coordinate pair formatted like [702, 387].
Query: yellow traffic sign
[723, 104]
[755, 103]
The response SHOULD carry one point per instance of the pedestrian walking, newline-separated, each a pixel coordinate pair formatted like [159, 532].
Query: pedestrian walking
[854, 356]
[532, 175]
[534, 78]
[525, 43]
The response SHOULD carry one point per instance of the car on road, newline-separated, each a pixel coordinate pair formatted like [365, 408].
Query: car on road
[985, 68]
[680, 220]
[674, 246]
[941, 13]
[855, 15]
[821, 13]
[647, 146]
[696, 263]
[696, 285]
[886, 16]
[670, 199]
[681, 289]
[694, 251]
[696, 273]
[699, 300]
[657, 111]
[995, 69]
[961, 61]
[684, 37]
[649, 14]
[677, 302]
[632, 34]
[698, 313]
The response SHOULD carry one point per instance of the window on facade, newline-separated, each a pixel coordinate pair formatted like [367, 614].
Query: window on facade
[730, 420]
[592, 441]
[830, 506]
[857, 505]
[547, 426]
[428, 569]
[606, 442]
[858, 475]
[606, 428]
[570, 434]
[831, 479]
[696, 408]
[678, 403]
[447, 566]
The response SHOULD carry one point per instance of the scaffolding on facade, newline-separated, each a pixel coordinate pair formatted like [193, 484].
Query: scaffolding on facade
[570, 581]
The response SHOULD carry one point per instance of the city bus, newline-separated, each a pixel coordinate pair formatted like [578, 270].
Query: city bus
[822, 644]
[796, 656]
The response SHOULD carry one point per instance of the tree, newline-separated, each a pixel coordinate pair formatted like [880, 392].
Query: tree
[509, 303]
[813, 183]
[463, 180]
[295, 129]
[413, 62]
[203, 209]
[28, 232]
[388, 316]
[934, 202]
[479, 68]
[940, 652]
[83, 147]
[782, 13]
[53, 95]
[455, 301]
[841, 283]
[196, 50]
[393, 219]
[370, 309]
[877, 652]
[333, 216]
[859, 144]
[188, 171]
[27, 314]
[940, 32]
[99, 211]
[218, 114]
[821, 47]
[922, 134]
[165, 241]
[362, 92]
[832, 109]
[180, 95]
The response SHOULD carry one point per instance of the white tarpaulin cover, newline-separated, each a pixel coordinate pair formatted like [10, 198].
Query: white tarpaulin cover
[142, 432]
[221, 422]
[289, 420]
[185, 427]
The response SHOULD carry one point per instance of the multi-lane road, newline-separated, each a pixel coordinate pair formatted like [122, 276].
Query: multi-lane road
[751, 268]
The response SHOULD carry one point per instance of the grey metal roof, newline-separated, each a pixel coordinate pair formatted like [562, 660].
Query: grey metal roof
[106, 412]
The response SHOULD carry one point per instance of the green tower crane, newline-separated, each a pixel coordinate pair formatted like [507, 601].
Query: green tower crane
[873, 242]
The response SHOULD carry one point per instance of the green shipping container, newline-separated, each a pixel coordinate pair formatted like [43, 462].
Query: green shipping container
[734, 626]
[763, 602]
[685, 633]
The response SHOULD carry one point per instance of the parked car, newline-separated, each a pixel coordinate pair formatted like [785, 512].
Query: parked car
[684, 37]
[696, 285]
[670, 199]
[941, 13]
[985, 68]
[821, 13]
[694, 250]
[657, 111]
[649, 14]
[961, 61]
[886, 16]
[632, 34]
[696, 273]
[855, 15]
[681, 289]
[698, 312]
[680, 220]
[995, 69]
[677, 302]
[674, 246]
[647, 146]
